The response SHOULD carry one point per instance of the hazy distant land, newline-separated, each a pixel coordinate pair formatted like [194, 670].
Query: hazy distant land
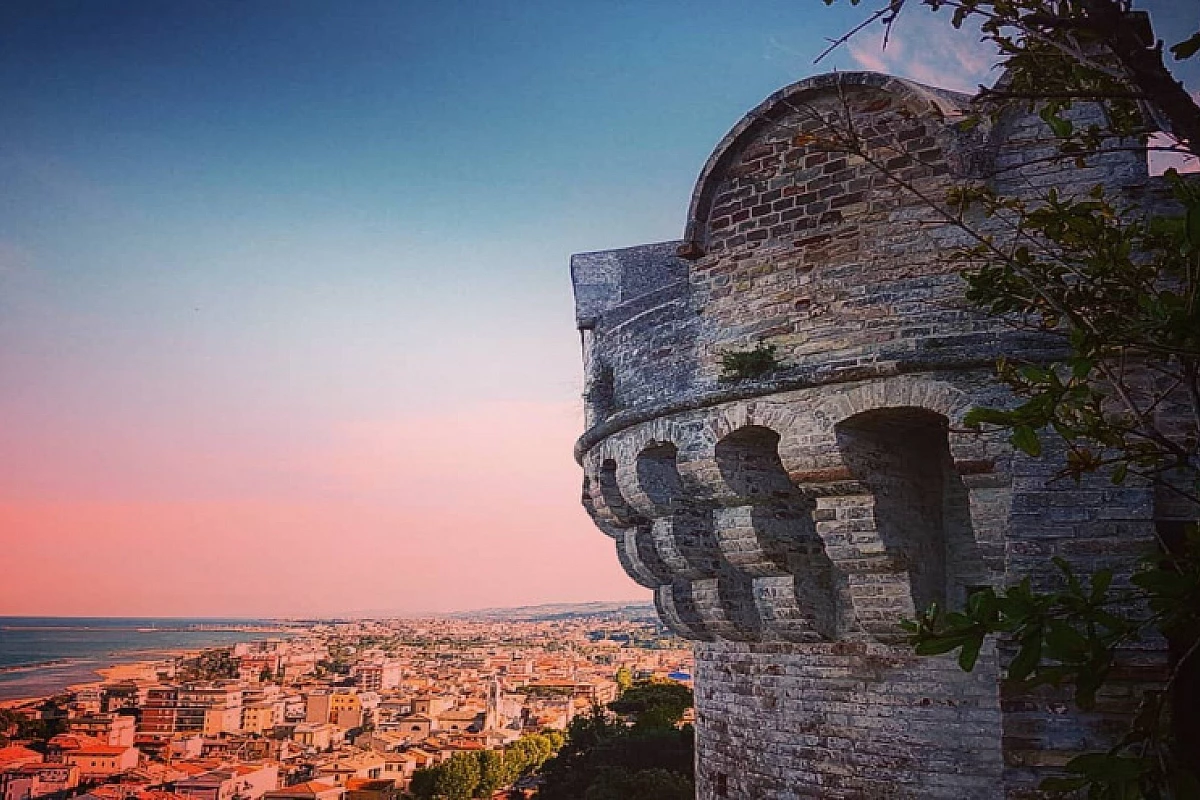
[550, 611]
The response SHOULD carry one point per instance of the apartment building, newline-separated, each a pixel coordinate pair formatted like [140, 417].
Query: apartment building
[97, 761]
[114, 729]
[37, 780]
[241, 781]
[312, 790]
[377, 676]
[346, 708]
[365, 765]
[317, 735]
[206, 708]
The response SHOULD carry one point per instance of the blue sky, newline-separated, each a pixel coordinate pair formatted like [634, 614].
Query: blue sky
[239, 237]
[363, 176]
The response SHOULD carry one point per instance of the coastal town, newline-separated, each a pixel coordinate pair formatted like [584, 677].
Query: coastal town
[346, 710]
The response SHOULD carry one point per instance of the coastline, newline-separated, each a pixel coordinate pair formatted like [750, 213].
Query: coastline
[140, 671]
[42, 656]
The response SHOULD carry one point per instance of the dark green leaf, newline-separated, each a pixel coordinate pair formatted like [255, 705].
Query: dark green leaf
[1063, 784]
[1108, 767]
[1192, 225]
[1063, 642]
[1187, 48]
[970, 653]
[992, 416]
[1025, 439]
[1062, 127]
[1026, 659]
[937, 646]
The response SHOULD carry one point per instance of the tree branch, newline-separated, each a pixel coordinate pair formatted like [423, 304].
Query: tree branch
[1146, 70]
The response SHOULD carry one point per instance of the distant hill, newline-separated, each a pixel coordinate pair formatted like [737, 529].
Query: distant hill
[628, 610]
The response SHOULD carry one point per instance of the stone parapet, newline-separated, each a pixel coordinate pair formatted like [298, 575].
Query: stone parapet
[756, 520]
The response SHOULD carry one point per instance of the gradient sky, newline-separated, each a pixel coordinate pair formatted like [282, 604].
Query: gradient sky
[285, 318]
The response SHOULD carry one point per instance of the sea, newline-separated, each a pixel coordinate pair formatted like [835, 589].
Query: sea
[42, 655]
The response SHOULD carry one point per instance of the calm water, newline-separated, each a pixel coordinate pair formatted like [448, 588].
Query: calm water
[40, 655]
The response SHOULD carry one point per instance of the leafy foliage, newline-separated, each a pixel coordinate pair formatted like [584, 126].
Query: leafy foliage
[1071, 637]
[457, 777]
[1124, 292]
[647, 784]
[1117, 290]
[466, 775]
[608, 757]
[739, 365]
[9, 722]
[36, 730]
[496, 770]
[624, 678]
[1056, 53]
[209, 665]
[654, 703]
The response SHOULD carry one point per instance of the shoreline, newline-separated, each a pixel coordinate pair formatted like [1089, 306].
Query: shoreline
[138, 665]
[105, 653]
[137, 671]
[140, 655]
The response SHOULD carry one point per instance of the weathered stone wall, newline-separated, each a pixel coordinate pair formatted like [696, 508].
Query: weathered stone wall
[636, 303]
[769, 553]
[843, 720]
[787, 523]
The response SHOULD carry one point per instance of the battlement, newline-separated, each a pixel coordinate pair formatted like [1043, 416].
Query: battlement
[614, 281]
[787, 523]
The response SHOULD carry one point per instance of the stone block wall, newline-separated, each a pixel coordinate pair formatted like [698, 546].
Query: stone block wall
[843, 720]
[787, 523]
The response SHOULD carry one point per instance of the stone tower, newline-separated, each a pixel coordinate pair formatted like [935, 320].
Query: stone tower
[786, 523]
[492, 718]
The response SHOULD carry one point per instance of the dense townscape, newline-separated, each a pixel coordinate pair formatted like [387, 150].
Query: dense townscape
[347, 710]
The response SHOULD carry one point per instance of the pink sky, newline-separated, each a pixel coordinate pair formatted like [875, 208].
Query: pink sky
[435, 512]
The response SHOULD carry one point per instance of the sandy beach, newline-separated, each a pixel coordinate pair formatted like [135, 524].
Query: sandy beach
[40, 657]
[144, 671]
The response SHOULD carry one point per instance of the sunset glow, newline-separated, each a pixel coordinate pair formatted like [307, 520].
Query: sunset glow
[285, 320]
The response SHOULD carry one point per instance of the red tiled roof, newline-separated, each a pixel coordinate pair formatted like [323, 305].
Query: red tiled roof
[376, 784]
[99, 750]
[463, 744]
[309, 787]
[36, 768]
[15, 752]
[76, 741]
[193, 767]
